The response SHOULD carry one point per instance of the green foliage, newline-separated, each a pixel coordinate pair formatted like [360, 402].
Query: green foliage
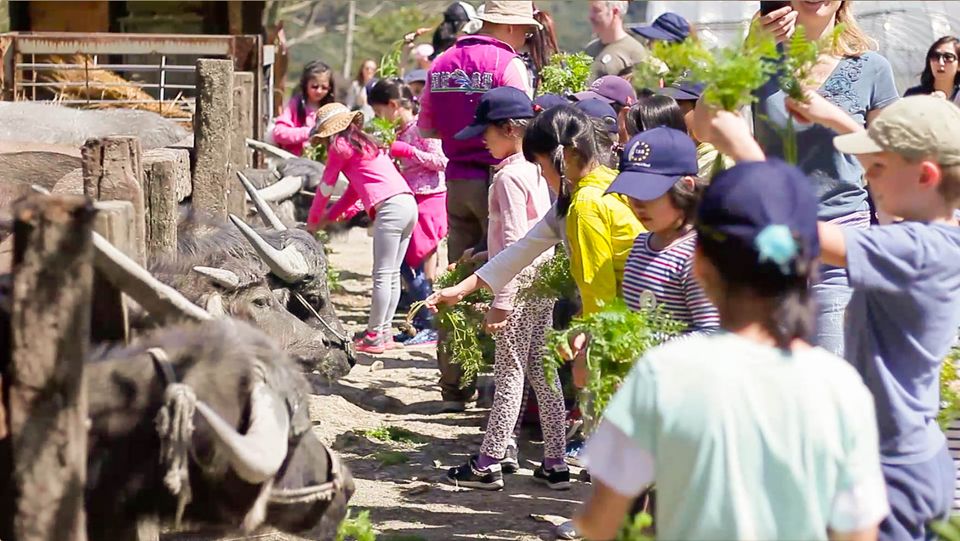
[383, 130]
[390, 62]
[565, 73]
[947, 530]
[649, 73]
[462, 324]
[356, 529]
[391, 458]
[730, 74]
[636, 528]
[949, 390]
[385, 30]
[317, 153]
[333, 279]
[618, 337]
[552, 280]
[387, 433]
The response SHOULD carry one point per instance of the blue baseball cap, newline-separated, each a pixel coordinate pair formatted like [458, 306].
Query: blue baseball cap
[683, 90]
[546, 101]
[669, 27]
[600, 110]
[766, 207]
[501, 103]
[653, 161]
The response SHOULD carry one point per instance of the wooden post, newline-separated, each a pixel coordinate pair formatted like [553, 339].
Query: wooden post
[112, 172]
[108, 308]
[166, 181]
[241, 129]
[50, 326]
[211, 136]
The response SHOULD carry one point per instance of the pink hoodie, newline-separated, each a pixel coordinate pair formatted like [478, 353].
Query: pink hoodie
[288, 133]
[373, 179]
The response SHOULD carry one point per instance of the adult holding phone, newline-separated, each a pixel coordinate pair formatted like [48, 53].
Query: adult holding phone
[852, 76]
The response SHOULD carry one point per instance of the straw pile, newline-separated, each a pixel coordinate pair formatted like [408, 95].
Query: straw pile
[101, 84]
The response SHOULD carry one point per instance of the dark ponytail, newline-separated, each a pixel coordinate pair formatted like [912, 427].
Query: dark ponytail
[792, 316]
[551, 131]
[653, 111]
[393, 89]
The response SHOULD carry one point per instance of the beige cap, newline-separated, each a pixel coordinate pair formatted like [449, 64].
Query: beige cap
[915, 127]
[515, 12]
[333, 118]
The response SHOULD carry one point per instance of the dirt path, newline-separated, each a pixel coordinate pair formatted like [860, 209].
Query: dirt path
[400, 482]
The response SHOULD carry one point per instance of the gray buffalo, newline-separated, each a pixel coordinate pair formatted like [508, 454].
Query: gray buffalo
[206, 424]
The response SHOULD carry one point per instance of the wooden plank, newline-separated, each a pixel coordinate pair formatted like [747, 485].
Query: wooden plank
[241, 129]
[112, 171]
[50, 327]
[211, 129]
[166, 174]
[110, 321]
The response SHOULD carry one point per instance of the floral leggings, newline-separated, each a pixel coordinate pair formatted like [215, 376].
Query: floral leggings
[519, 353]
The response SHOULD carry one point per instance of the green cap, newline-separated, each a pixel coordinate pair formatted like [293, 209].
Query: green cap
[916, 127]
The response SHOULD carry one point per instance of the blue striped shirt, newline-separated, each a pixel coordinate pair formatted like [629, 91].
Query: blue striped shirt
[667, 275]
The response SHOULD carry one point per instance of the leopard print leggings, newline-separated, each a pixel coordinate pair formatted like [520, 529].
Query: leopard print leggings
[519, 354]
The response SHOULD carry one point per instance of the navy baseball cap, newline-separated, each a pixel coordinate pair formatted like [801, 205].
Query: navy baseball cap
[653, 161]
[600, 110]
[683, 90]
[610, 89]
[501, 103]
[546, 101]
[669, 27]
[765, 207]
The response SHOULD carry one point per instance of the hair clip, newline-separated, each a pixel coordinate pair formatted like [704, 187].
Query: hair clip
[776, 243]
[537, 108]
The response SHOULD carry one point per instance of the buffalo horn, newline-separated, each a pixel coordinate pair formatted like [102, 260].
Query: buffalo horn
[257, 455]
[222, 277]
[270, 149]
[281, 190]
[266, 213]
[288, 264]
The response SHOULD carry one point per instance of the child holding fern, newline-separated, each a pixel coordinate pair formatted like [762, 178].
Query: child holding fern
[518, 199]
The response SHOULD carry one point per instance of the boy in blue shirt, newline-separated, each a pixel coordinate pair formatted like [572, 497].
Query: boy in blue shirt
[905, 311]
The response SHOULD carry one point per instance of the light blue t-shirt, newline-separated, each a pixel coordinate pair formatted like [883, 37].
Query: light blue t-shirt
[901, 322]
[857, 85]
[747, 441]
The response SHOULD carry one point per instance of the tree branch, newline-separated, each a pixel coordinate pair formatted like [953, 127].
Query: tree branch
[306, 35]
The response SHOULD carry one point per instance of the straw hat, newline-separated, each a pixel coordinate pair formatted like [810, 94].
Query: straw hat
[333, 118]
[513, 12]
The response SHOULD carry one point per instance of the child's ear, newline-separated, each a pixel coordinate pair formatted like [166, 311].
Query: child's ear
[930, 174]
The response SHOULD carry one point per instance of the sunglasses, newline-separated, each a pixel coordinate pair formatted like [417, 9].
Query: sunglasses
[946, 58]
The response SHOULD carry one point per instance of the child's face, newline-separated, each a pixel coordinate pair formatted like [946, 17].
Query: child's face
[896, 184]
[501, 142]
[416, 88]
[657, 215]
[549, 173]
[389, 111]
[318, 88]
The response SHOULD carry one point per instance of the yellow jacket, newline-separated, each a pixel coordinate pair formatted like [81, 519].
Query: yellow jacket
[601, 230]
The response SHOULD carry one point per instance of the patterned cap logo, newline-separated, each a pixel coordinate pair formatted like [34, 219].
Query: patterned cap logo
[640, 153]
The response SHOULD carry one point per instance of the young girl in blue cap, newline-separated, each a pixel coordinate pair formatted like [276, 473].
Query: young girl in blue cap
[751, 433]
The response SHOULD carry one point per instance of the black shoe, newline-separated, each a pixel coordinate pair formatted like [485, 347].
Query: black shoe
[511, 461]
[557, 478]
[468, 475]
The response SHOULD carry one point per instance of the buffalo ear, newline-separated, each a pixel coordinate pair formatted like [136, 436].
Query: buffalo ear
[214, 305]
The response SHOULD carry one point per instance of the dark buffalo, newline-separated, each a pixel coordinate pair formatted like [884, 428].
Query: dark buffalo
[207, 422]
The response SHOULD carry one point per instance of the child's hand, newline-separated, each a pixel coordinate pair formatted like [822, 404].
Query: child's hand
[447, 296]
[495, 320]
[725, 130]
[400, 149]
[578, 346]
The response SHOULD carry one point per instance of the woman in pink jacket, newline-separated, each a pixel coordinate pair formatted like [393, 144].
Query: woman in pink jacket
[291, 130]
[375, 181]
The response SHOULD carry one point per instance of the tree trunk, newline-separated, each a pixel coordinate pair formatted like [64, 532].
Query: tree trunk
[50, 325]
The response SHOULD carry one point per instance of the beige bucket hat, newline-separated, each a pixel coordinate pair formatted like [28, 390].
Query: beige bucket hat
[515, 12]
[333, 118]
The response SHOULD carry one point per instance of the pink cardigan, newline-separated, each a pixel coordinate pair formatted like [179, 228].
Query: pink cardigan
[289, 134]
[373, 179]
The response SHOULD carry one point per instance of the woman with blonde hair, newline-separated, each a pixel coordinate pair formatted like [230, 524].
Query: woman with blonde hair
[859, 81]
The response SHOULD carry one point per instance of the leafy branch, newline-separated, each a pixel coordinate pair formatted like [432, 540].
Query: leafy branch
[565, 73]
[551, 281]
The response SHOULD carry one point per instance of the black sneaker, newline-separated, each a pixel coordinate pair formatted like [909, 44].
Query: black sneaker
[511, 461]
[468, 475]
[556, 478]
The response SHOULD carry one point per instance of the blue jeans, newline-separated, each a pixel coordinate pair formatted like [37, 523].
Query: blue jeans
[832, 295]
[420, 288]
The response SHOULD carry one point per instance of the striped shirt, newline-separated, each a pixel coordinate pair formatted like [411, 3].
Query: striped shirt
[667, 275]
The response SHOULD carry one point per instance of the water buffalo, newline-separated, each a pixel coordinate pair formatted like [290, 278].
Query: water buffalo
[207, 422]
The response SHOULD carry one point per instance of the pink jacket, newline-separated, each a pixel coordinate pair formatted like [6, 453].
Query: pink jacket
[519, 198]
[373, 179]
[423, 170]
[288, 133]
